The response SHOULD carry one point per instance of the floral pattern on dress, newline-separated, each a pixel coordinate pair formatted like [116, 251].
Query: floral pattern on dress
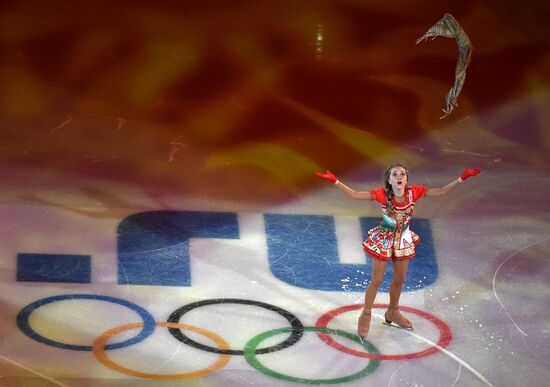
[393, 238]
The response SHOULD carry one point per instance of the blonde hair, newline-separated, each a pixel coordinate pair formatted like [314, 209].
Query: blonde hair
[388, 188]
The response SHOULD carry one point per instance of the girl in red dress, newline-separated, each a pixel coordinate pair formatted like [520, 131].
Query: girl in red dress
[392, 240]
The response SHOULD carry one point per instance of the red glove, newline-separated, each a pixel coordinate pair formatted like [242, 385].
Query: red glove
[469, 172]
[328, 175]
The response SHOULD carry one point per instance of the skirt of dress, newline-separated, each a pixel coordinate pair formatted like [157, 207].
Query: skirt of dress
[387, 243]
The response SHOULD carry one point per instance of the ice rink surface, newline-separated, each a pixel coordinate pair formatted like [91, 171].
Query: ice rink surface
[161, 223]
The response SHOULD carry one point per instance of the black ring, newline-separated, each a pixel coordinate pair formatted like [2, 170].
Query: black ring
[296, 334]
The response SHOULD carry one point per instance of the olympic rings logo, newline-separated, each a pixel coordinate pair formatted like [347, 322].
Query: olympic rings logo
[250, 351]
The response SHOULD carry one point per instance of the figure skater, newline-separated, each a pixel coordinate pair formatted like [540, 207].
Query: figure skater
[392, 240]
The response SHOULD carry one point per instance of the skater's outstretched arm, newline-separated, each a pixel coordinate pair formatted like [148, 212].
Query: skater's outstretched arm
[444, 190]
[366, 195]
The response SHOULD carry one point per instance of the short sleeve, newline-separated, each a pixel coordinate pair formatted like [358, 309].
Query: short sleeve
[419, 191]
[379, 195]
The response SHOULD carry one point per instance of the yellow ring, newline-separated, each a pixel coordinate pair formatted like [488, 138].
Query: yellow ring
[101, 341]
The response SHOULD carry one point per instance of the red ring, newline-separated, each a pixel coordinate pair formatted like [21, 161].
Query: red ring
[445, 335]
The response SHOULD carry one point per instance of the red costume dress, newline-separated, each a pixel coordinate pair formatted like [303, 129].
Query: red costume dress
[393, 238]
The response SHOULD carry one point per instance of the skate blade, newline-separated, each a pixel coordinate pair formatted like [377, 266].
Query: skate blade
[397, 326]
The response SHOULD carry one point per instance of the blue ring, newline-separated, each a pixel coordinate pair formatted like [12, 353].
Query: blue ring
[24, 314]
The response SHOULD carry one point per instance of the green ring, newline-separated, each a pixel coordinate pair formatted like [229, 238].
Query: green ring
[250, 356]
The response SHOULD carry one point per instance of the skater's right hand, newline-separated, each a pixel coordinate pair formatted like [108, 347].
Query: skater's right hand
[329, 176]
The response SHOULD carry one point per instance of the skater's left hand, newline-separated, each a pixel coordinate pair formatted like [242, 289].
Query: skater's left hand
[469, 172]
